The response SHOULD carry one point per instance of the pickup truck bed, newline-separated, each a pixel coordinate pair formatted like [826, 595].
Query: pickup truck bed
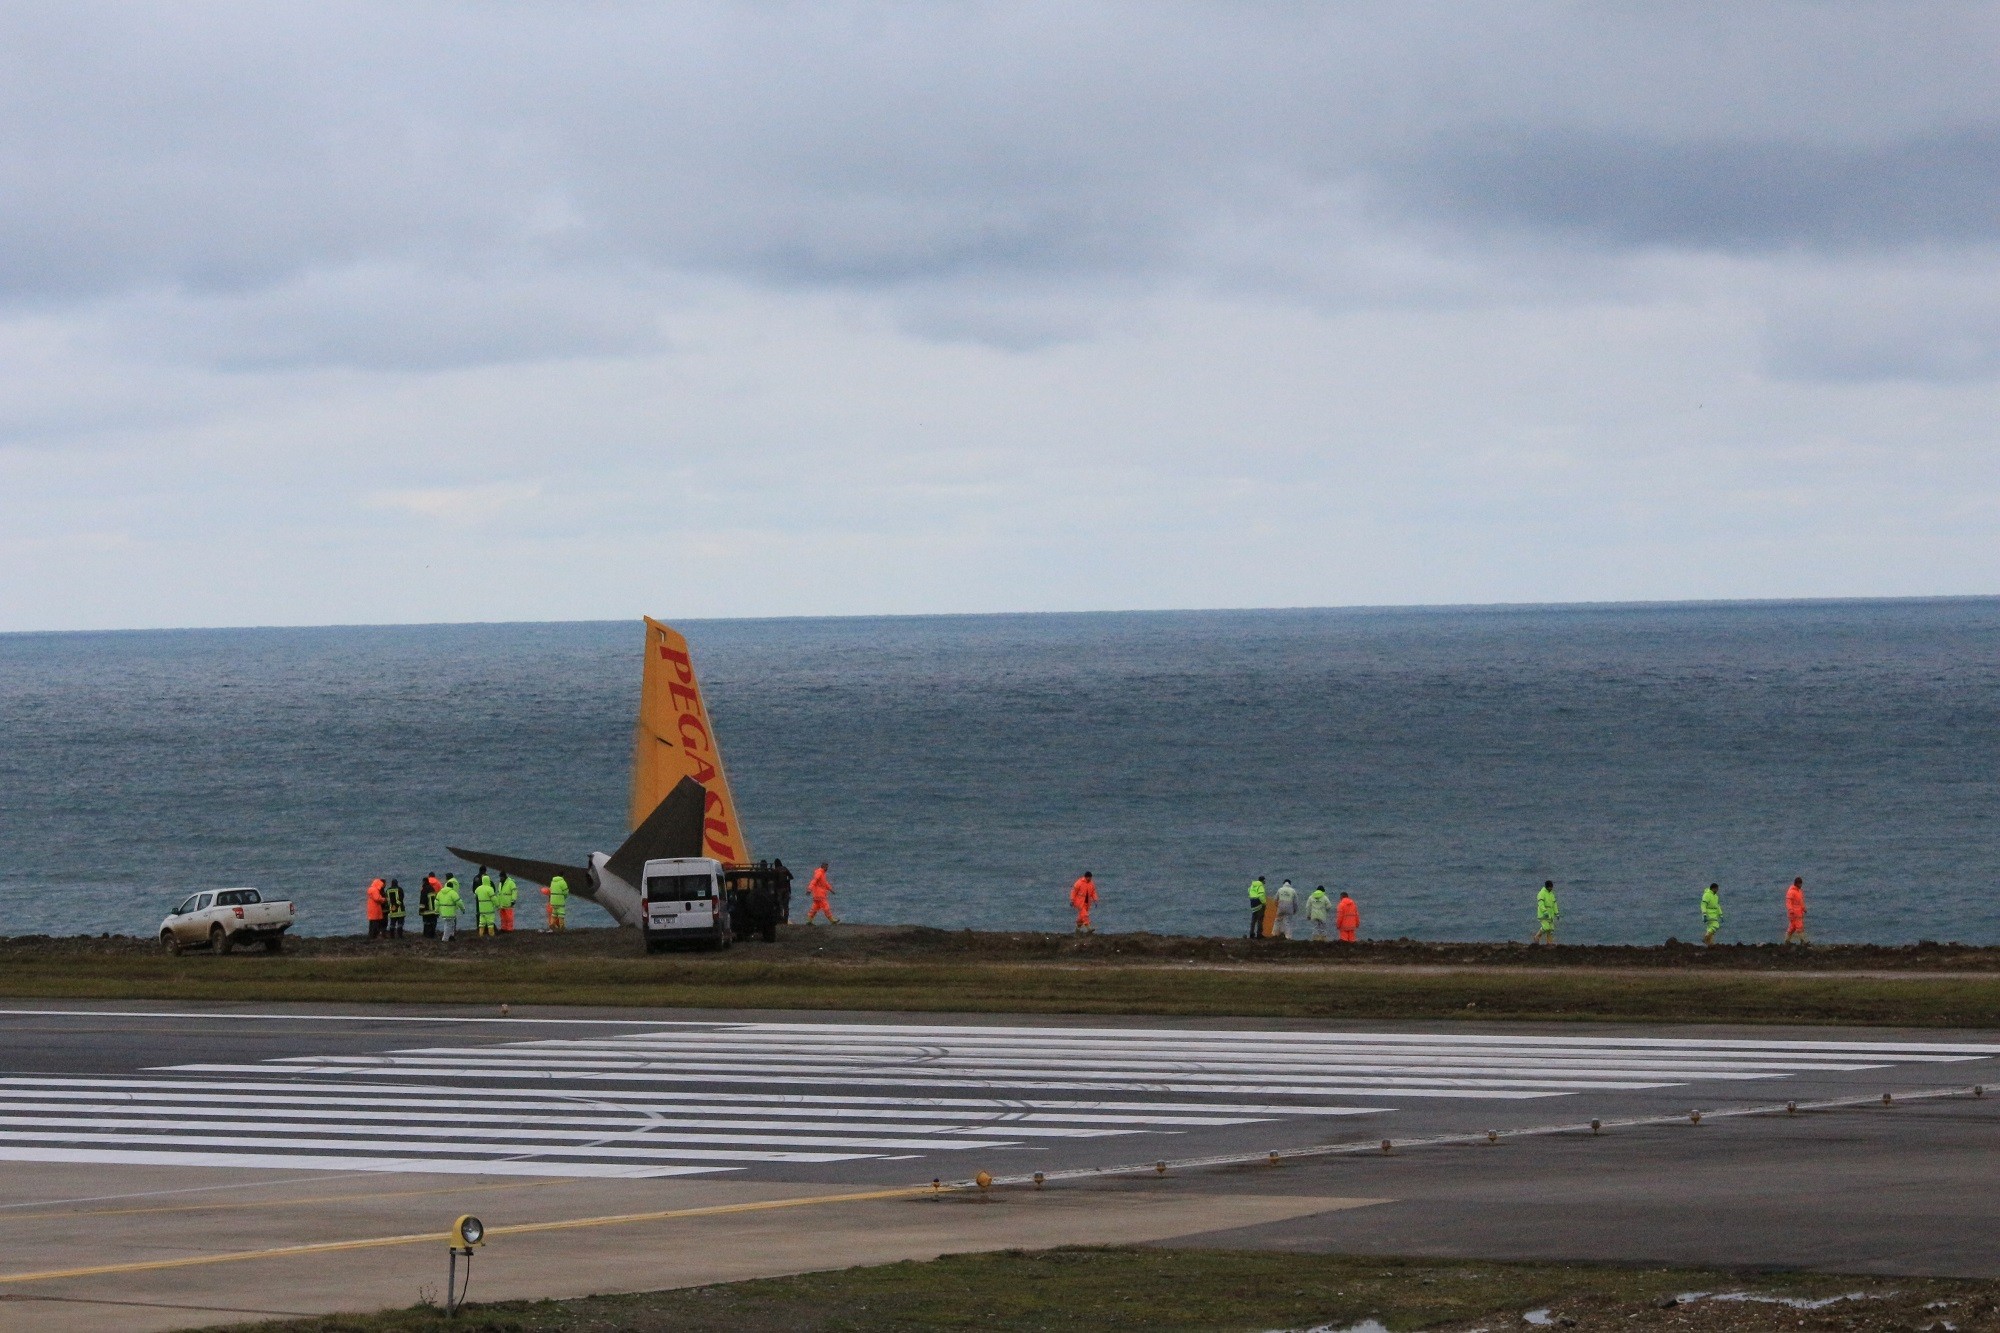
[221, 919]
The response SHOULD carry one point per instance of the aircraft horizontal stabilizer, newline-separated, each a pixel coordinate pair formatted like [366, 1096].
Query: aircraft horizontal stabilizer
[535, 872]
[673, 829]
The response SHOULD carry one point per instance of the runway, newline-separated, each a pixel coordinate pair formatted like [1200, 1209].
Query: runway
[860, 1102]
[641, 1150]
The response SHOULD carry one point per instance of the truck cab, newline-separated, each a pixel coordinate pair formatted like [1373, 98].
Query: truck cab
[682, 901]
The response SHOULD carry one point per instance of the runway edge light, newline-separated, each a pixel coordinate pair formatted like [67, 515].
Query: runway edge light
[467, 1232]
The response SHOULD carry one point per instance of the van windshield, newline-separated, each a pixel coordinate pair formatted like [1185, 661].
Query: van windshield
[667, 887]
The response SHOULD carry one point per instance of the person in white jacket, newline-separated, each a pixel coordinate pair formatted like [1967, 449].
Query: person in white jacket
[1288, 906]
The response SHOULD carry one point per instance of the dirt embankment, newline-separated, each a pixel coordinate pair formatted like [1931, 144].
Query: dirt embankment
[876, 944]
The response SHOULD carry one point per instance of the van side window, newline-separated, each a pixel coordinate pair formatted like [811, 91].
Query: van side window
[670, 888]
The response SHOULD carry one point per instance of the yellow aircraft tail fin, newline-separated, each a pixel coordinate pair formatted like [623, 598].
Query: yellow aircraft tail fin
[676, 740]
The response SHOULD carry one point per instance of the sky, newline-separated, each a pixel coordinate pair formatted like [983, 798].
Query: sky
[327, 313]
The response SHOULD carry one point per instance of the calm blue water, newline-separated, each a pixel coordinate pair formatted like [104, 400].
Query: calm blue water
[960, 771]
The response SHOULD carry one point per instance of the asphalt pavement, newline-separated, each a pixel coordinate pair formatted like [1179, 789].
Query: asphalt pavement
[158, 1136]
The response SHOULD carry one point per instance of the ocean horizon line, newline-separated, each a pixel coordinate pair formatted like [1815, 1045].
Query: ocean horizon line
[906, 617]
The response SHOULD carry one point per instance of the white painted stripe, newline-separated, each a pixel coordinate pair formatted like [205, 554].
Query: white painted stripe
[1346, 1061]
[620, 1134]
[541, 1054]
[1974, 1050]
[350, 1162]
[401, 1147]
[725, 1111]
[396, 1093]
[1314, 1048]
[939, 1071]
[1345, 1090]
[607, 1124]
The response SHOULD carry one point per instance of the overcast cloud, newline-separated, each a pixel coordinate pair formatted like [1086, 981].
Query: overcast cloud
[328, 312]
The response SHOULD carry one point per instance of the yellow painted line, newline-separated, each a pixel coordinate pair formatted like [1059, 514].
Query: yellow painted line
[434, 1237]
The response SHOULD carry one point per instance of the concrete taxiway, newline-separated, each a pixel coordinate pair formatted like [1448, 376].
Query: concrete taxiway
[144, 1147]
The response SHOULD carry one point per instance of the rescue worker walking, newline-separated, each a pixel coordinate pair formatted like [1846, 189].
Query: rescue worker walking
[1347, 918]
[1711, 913]
[821, 889]
[447, 902]
[1083, 896]
[484, 895]
[1318, 905]
[373, 900]
[1288, 906]
[558, 895]
[1257, 908]
[392, 905]
[427, 903]
[1546, 913]
[510, 893]
[1795, 912]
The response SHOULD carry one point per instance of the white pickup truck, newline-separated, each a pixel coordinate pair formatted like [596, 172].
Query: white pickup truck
[225, 918]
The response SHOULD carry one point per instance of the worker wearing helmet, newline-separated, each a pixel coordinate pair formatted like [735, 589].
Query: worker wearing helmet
[1711, 913]
[509, 894]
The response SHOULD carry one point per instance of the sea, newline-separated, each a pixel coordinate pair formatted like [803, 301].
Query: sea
[961, 771]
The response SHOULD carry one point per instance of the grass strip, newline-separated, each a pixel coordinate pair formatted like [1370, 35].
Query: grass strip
[1096, 987]
[1156, 1288]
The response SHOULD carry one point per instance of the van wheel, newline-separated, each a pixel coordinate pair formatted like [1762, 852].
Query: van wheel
[170, 942]
[218, 940]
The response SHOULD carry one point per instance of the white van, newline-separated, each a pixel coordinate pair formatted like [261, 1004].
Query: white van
[682, 901]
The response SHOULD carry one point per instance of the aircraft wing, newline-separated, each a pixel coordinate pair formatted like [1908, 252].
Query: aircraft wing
[520, 867]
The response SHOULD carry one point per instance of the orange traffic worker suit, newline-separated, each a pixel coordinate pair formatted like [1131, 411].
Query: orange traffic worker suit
[1795, 910]
[378, 908]
[1347, 918]
[1083, 897]
[820, 888]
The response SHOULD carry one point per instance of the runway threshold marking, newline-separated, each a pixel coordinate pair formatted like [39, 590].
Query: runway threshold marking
[432, 1237]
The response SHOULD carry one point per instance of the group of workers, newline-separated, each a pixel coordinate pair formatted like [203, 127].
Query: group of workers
[1274, 913]
[1548, 911]
[440, 902]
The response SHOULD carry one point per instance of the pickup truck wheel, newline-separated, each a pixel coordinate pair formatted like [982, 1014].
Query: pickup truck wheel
[170, 942]
[218, 940]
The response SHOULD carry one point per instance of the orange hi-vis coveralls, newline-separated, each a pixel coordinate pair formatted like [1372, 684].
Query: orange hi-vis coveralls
[378, 908]
[1083, 897]
[1795, 909]
[1347, 918]
[820, 888]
